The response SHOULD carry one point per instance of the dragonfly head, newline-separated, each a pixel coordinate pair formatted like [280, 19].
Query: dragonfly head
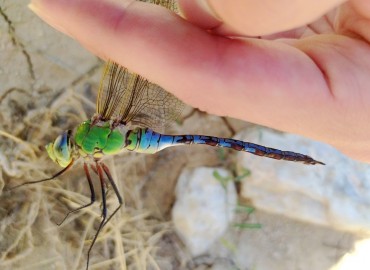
[60, 151]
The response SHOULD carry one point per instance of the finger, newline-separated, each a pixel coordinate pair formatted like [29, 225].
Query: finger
[260, 81]
[199, 13]
[359, 26]
[362, 7]
[254, 18]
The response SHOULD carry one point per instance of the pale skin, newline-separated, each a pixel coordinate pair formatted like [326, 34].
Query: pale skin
[313, 80]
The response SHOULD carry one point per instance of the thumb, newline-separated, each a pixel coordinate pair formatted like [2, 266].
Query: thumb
[254, 18]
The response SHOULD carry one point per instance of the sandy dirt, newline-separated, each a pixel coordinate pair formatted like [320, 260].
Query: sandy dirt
[48, 83]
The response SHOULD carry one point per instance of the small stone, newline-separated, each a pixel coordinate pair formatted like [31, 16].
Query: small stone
[204, 207]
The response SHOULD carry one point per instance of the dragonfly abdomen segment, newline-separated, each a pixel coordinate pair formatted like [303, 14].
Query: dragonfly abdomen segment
[238, 145]
[255, 149]
[147, 141]
[144, 140]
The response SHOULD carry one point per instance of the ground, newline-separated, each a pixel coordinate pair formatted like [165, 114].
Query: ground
[48, 83]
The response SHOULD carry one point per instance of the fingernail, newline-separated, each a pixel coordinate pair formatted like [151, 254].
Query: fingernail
[207, 7]
[37, 9]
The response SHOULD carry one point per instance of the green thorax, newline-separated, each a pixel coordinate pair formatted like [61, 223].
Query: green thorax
[99, 139]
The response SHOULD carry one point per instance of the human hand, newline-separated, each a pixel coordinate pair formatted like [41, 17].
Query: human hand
[313, 80]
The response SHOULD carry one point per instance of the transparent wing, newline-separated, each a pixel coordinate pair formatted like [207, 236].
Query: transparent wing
[131, 99]
[170, 4]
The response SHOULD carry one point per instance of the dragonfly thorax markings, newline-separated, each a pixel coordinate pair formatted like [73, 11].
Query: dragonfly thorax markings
[100, 138]
[132, 138]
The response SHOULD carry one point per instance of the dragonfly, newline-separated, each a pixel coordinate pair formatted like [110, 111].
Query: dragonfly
[131, 115]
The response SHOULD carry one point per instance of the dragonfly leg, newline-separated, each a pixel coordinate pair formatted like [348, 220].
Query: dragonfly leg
[106, 184]
[43, 180]
[94, 169]
[92, 193]
[116, 191]
[104, 212]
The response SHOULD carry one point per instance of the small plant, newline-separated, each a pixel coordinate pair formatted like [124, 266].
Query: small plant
[248, 210]
[224, 180]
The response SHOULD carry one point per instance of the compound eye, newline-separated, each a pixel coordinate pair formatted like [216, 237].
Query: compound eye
[62, 149]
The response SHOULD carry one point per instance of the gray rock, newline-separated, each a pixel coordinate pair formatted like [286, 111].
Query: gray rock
[203, 208]
[335, 195]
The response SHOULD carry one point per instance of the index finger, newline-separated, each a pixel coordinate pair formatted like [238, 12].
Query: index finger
[260, 81]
